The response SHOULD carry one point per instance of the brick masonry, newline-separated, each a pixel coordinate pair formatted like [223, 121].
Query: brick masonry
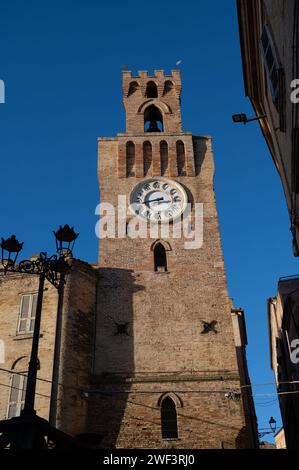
[164, 352]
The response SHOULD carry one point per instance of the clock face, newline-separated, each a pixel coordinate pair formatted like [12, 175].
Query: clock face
[158, 200]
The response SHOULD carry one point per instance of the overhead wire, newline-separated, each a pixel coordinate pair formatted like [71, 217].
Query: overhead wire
[225, 390]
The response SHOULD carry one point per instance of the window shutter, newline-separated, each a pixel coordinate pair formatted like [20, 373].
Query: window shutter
[33, 312]
[34, 304]
[271, 63]
[15, 386]
[25, 305]
[17, 395]
[27, 313]
[24, 386]
[24, 313]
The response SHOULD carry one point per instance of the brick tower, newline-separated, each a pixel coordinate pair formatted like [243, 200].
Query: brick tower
[166, 353]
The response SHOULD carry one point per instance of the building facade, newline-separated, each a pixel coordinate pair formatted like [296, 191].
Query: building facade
[64, 364]
[279, 438]
[269, 37]
[283, 320]
[150, 351]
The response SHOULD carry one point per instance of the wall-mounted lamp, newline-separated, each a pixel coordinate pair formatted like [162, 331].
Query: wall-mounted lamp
[243, 118]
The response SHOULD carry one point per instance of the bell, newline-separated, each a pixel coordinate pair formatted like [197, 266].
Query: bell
[153, 127]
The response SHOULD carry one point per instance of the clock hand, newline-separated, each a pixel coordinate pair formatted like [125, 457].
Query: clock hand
[158, 199]
[163, 201]
[153, 200]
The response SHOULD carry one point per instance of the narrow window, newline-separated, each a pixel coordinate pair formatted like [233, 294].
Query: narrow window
[270, 62]
[168, 86]
[151, 90]
[295, 153]
[130, 157]
[27, 313]
[153, 120]
[180, 152]
[17, 394]
[133, 88]
[164, 157]
[169, 419]
[147, 158]
[160, 258]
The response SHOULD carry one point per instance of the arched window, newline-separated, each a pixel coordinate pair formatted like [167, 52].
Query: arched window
[18, 384]
[180, 153]
[169, 425]
[164, 157]
[151, 90]
[160, 258]
[147, 158]
[168, 86]
[132, 88]
[130, 158]
[153, 120]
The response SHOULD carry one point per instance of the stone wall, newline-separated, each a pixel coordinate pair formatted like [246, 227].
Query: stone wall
[75, 350]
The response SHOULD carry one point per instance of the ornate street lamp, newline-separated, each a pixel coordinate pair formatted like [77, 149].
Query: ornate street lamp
[10, 248]
[65, 239]
[29, 431]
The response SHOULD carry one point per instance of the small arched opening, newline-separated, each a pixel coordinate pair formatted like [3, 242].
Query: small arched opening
[168, 87]
[147, 158]
[151, 90]
[130, 158]
[153, 119]
[133, 87]
[169, 425]
[160, 258]
[164, 157]
[181, 160]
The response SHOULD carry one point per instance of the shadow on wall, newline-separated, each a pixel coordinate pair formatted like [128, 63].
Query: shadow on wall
[200, 148]
[114, 352]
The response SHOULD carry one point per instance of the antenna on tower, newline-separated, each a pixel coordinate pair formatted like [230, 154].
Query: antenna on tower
[178, 62]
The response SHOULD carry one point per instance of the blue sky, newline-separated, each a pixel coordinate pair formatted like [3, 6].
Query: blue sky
[61, 64]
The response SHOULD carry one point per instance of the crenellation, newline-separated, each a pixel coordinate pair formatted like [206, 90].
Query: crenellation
[127, 74]
[159, 74]
[143, 74]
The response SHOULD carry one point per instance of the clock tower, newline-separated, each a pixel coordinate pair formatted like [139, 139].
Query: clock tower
[167, 369]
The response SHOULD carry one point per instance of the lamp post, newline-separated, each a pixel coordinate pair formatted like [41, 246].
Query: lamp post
[272, 423]
[28, 431]
[65, 239]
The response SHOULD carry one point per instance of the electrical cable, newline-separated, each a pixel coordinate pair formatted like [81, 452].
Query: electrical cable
[226, 390]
